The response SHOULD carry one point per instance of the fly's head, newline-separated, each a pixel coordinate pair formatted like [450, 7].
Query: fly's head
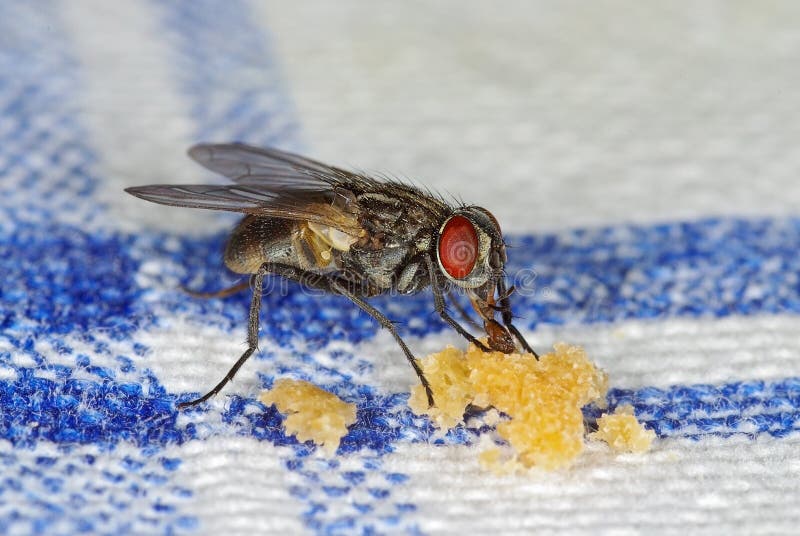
[472, 255]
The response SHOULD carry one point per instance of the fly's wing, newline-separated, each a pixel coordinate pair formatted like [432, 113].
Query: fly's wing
[271, 183]
[256, 165]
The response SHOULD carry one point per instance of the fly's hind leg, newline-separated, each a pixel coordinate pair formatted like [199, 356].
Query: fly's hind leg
[252, 338]
[252, 327]
[328, 283]
[222, 293]
[252, 324]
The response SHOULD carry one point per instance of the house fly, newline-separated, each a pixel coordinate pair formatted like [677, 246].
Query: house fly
[349, 234]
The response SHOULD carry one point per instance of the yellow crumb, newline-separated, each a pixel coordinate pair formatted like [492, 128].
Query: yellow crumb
[543, 400]
[311, 412]
[623, 432]
[448, 374]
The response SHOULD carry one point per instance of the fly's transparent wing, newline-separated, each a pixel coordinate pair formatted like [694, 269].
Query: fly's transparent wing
[331, 207]
[265, 166]
[270, 183]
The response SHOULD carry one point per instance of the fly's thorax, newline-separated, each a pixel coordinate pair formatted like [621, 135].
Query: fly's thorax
[397, 216]
[399, 224]
[381, 266]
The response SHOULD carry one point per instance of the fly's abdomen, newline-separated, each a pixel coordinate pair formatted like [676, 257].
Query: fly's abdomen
[307, 246]
[257, 240]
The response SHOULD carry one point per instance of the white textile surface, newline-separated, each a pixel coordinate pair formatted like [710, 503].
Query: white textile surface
[641, 158]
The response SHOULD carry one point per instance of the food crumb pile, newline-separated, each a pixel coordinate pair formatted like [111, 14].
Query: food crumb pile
[542, 400]
[623, 432]
[311, 412]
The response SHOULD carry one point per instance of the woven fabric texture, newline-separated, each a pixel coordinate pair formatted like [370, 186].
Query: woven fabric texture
[641, 158]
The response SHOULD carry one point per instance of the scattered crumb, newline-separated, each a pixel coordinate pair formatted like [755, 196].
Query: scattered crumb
[543, 401]
[498, 461]
[623, 432]
[311, 412]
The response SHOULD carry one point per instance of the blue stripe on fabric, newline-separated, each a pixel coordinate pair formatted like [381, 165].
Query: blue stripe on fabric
[708, 268]
[750, 408]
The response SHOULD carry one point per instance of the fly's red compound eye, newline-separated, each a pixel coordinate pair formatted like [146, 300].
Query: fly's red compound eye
[458, 247]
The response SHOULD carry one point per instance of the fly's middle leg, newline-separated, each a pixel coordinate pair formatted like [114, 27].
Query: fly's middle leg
[339, 285]
[461, 311]
[386, 323]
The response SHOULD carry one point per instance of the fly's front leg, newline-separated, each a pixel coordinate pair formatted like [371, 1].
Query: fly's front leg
[505, 313]
[252, 338]
[513, 329]
[439, 305]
